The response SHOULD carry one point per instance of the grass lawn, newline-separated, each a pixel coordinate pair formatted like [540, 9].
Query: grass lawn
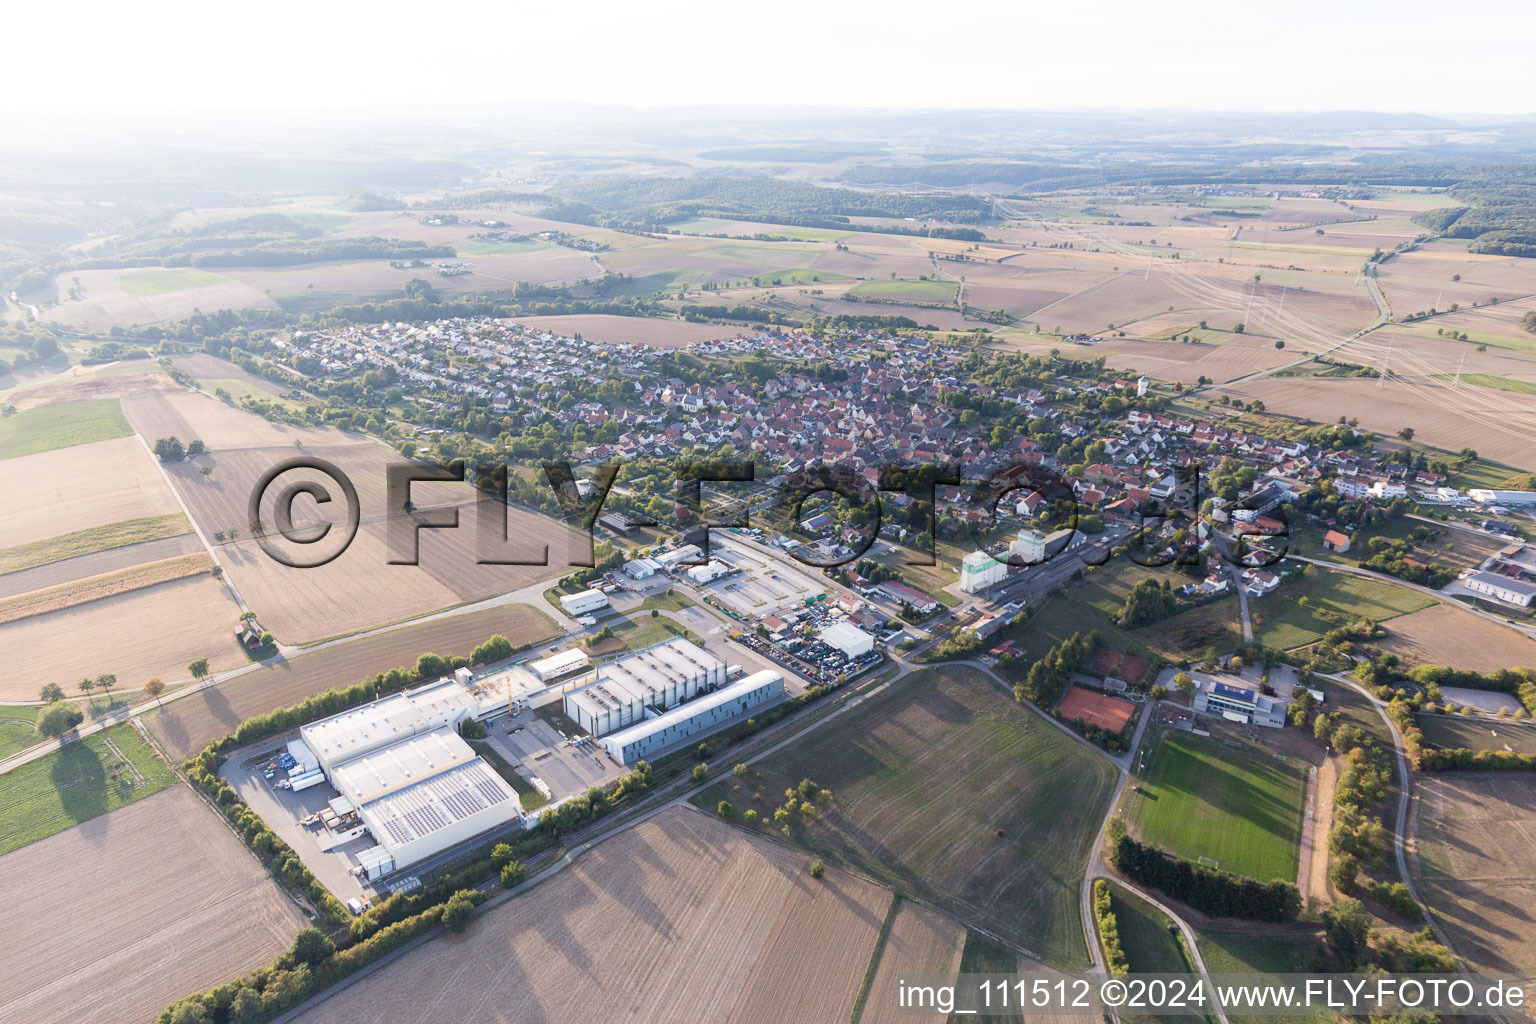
[982, 955]
[1273, 953]
[1144, 936]
[240, 390]
[945, 789]
[1488, 380]
[77, 782]
[85, 542]
[483, 248]
[1280, 620]
[1203, 798]
[1476, 733]
[158, 282]
[912, 291]
[17, 729]
[644, 631]
[801, 275]
[668, 601]
[1150, 948]
[1095, 603]
[48, 427]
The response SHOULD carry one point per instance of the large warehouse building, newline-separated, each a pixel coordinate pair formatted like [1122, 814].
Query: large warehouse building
[848, 638]
[411, 778]
[584, 602]
[696, 718]
[657, 677]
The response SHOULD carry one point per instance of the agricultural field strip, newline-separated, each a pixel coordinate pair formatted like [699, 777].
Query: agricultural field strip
[90, 541]
[107, 584]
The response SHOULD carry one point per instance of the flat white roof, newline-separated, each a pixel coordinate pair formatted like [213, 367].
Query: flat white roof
[561, 662]
[846, 634]
[429, 806]
[365, 728]
[400, 764]
[639, 677]
[683, 712]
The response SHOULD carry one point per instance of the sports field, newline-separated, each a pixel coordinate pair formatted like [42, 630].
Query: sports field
[1212, 801]
[48, 427]
[1095, 709]
[947, 790]
[77, 782]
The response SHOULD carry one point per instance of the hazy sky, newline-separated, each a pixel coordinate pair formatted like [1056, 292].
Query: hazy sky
[159, 57]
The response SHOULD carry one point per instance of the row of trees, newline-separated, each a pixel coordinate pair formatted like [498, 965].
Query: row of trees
[1208, 890]
[1109, 929]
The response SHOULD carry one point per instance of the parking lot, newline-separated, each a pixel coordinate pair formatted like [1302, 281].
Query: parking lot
[539, 750]
[281, 809]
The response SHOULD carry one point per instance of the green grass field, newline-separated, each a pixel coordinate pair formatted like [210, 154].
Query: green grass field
[1488, 380]
[910, 291]
[99, 538]
[48, 427]
[158, 282]
[17, 729]
[77, 782]
[948, 791]
[1273, 953]
[240, 390]
[1280, 620]
[1476, 733]
[1148, 945]
[500, 248]
[1203, 798]
[801, 275]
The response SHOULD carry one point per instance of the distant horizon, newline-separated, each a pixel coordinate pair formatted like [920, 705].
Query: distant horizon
[972, 55]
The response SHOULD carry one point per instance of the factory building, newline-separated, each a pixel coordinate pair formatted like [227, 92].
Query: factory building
[584, 602]
[979, 570]
[708, 572]
[435, 814]
[848, 638]
[696, 718]
[657, 677]
[1485, 496]
[401, 766]
[380, 723]
[560, 664]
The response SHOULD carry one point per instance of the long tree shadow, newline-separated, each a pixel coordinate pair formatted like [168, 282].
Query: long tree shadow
[81, 781]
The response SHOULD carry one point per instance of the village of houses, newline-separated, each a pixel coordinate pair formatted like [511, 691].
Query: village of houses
[866, 399]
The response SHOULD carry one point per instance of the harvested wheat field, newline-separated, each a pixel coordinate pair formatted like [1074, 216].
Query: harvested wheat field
[921, 941]
[192, 415]
[1499, 425]
[681, 918]
[150, 632]
[147, 295]
[103, 585]
[99, 935]
[1448, 635]
[360, 589]
[81, 487]
[1475, 859]
[185, 726]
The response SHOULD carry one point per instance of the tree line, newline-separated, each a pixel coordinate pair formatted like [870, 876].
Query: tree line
[1208, 890]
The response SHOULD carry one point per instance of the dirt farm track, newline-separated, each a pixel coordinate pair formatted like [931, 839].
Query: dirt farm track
[97, 935]
[682, 918]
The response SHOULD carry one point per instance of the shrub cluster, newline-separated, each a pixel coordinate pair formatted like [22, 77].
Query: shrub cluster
[1109, 929]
